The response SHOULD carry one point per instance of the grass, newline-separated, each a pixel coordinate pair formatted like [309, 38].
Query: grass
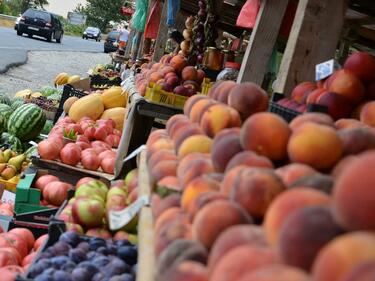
[7, 23]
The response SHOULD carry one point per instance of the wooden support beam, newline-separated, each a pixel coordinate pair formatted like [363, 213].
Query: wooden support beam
[314, 37]
[262, 41]
[162, 34]
[129, 45]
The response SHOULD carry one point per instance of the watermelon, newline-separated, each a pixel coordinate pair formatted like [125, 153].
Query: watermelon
[4, 99]
[47, 127]
[16, 103]
[5, 110]
[26, 122]
[56, 96]
[3, 123]
[14, 142]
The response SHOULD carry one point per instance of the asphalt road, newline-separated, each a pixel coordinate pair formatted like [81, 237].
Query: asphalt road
[13, 48]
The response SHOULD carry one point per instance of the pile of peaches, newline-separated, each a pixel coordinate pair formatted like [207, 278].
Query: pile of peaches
[240, 194]
[172, 74]
[347, 93]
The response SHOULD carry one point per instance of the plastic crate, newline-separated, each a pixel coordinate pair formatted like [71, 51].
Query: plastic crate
[98, 80]
[157, 95]
[287, 113]
[69, 91]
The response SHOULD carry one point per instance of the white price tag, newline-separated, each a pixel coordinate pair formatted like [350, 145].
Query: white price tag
[135, 153]
[325, 69]
[118, 219]
[8, 197]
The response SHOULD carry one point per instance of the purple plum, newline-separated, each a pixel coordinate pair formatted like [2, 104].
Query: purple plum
[77, 255]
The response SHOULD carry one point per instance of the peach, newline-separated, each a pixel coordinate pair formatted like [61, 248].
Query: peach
[177, 252]
[203, 199]
[178, 62]
[186, 161]
[171, 122]
[342, 255]
[255, 189]
[194, 169]
[214, 218]
[313, 227]
[199, 108]
[159, 205]
[155, 77]
[196, 187]
[268, 127]
[187, 271]
[354, 195]
[367, 115]
[362, 65]
[345, 83]
[241, 260]
[191, 101]
[168, 184]
[316, 145]
[317, 181]
[276, 272]
[230, 178]
[183, 133]
[189, 73]
[247, 99]
[370, 90]
[219, 117]
[156, 135]
[293, 172]
[222, 91]
[200, 76]
[357, 140]
[338, 106]
[166, 69]
[177, 229]
[161, 144]
[362, 272]
[347, 123]
[341, 166]
[224, 148]
[314, 117]
[286, 203]
[179, 126]
[234, 237]
[169, 215]
[315, 95]
[302, 91]
[160, 155]
[356, 113]
[250, 159]
[212, 91]
[163, 169]
[195, 143]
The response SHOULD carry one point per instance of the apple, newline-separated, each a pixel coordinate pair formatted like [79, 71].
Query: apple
[121, 235]
[99, 232]
[88, 212]
[74, 227]
[116, 191]
[84, 181]
[116, 201]
[94, 187]
[130, 175]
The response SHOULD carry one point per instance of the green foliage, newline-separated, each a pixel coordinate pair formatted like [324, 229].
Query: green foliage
[72, 29]
[100, 12]
[16, 7]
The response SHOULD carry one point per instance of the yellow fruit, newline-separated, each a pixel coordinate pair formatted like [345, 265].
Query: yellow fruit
[88, 106]
[68, 103]
[117, 114]
[114, 97]
[61, 78]
[24, 94]
[73, 79]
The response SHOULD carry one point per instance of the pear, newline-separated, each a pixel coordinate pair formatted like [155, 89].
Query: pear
[9, 172]
[17, 161]
[2, 157]
[7, 155]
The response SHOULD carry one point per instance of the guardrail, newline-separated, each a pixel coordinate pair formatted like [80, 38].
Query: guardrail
[7, 17]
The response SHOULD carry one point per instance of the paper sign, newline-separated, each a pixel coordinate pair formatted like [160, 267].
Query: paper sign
[325, 69]
[8, 197]
[118, 219]
[135, 153]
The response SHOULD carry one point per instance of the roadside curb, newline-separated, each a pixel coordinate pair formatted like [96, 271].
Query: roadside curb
[16, 58]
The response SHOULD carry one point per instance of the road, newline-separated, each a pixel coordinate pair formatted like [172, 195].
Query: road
[13, 48]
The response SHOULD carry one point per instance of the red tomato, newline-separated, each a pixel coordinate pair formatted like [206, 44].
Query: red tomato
[100, 149]
[42, 181]
[88, 151]
[85, 119]
[90, 133]
[83, 145]
[108, 165]
[66, 120]
[56, 192]
[26, 234]
[106, 153]
[70, 154]
[10, 272]
[84, 181]
[101, 133]
[48, 149]
[57, 139]
[105, 124]
[117, 132]
[90, 161]
[75, 127]
[16, 242]
[113, 140]
[7, 258]
[82, 138]
[39, 242]
[100, 144]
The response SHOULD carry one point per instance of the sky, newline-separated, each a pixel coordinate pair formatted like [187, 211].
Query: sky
[62, 7]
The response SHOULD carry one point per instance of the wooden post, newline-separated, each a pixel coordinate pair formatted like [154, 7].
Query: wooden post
[262, 41]
[162, 34]
[129, 45]
[315, 33]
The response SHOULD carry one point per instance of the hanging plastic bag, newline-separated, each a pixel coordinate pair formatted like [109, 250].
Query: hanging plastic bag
[153, 21]
[248, 14]
[140, 15]
[173, 8]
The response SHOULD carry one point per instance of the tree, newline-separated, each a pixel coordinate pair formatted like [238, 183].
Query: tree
[15, 7]
[100, 12]
[25, 4]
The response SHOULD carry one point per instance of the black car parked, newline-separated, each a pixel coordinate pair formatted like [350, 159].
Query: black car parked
[109, 42]
[92, 33]
[40, 23]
